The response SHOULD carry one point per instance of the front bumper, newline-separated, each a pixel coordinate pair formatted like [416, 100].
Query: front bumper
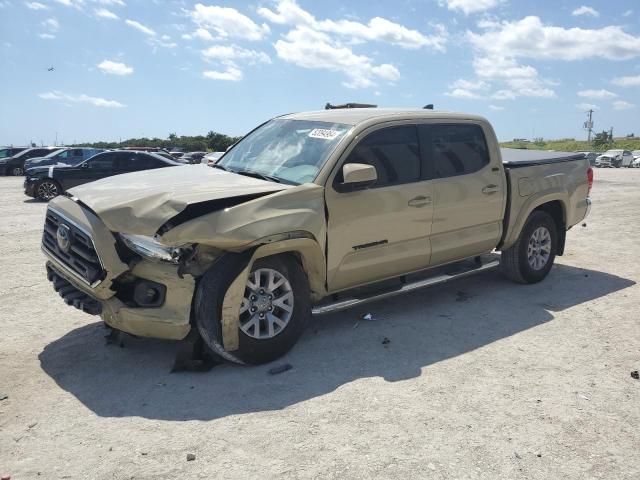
[30, 188]
[112, 295]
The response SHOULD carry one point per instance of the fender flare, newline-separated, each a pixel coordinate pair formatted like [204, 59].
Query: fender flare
[312, 260]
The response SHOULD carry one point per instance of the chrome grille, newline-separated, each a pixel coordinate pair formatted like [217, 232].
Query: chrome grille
[81, 256]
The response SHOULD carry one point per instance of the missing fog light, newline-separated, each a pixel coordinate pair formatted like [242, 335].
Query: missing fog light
[149, 294]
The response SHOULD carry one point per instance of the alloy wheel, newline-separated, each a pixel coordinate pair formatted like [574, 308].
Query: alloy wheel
[267, 305]
[47, 190]
[539, 248]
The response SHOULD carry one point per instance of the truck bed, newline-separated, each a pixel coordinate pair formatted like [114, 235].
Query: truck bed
[517, 158]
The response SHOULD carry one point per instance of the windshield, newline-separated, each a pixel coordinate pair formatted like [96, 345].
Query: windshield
[292, 151]
[54, 153]
[5, 152]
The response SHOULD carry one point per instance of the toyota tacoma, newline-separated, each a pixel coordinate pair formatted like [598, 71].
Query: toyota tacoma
[309, 213]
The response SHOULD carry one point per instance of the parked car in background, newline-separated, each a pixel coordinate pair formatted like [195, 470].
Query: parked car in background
[615, 159]
[64, 156]
[6, 152]
[591, 156]
[636, 159]
[45, 183]
[212, 158]
[15, 165]
[176, 152]
[193, 157]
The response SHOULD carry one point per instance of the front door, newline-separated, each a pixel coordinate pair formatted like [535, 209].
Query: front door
[382, 231]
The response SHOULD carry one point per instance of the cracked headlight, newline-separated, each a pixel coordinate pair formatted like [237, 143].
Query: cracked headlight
[151, 249]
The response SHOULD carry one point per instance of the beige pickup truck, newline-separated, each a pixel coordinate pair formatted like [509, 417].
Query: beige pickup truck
[309, 213]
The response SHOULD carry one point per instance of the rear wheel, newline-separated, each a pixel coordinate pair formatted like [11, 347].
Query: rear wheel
[530, 259]
[47, 189]
[274, 311]
[17, 171]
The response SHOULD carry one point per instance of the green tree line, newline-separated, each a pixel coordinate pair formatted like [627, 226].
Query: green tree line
[212, 141]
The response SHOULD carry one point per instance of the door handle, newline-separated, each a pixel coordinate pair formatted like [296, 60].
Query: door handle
[490, 189]
[420, 201]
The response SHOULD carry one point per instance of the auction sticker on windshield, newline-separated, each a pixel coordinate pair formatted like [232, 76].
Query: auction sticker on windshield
[324, 133]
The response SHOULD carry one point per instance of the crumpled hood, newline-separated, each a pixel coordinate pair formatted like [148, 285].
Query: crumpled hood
[142, 202]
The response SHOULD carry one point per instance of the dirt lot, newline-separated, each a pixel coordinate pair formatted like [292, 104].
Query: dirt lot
[483, 379]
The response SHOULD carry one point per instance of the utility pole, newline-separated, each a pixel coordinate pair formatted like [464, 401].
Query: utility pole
[588, 125]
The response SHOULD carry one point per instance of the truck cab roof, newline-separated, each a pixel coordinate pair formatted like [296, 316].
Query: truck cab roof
[357, 116]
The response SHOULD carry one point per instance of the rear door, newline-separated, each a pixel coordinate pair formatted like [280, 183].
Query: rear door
[468, 191]
[383, 231]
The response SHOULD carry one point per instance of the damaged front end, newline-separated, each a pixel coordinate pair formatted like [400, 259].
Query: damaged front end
[134, 255]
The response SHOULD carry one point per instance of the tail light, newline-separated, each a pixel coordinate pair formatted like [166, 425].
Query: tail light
[590, 179]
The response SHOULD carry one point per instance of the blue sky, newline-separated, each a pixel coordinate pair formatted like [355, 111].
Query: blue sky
[130, 68]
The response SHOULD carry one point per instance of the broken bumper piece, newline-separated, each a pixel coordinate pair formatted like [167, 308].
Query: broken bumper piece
[71, 295]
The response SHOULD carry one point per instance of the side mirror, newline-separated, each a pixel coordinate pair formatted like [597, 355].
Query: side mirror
[85, 165]
[357, 176]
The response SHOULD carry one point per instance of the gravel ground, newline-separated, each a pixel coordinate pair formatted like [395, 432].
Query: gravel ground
[482, 379]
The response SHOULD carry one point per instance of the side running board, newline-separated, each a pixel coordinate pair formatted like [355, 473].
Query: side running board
[354, 300]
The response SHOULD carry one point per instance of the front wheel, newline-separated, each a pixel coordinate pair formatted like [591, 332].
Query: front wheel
[274, 311]
[17, 171]
[47, 189]
[530, 259]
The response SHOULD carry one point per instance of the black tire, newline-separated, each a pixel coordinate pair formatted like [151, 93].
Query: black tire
[41, 194]
[514, 262]
[208, 309]
[16, 171]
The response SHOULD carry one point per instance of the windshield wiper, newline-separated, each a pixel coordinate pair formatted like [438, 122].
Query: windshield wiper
[221, 167]
[254, 174]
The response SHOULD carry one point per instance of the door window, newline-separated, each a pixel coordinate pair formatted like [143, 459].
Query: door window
[394, 151]
[454, 149]
[101, 162]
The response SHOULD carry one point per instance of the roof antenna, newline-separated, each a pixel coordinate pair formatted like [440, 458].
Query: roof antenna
[428, 107]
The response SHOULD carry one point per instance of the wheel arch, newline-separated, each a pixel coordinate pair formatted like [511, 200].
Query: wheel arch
[554, 204]
[306, 251]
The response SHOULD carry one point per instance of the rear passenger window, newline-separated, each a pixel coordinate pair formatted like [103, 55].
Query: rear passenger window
[395, 153]
[457, 149]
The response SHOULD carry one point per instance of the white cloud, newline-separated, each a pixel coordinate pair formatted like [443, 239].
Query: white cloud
[104, 13]
[231, 74]
[36, 6]
[227, 22]
[601, 94]
[46, 36]
[500, 46]
[587, 106]
[288, 12]
[233, 52]
[308, 48]
[530, 38]
[627, 81]
[470, 6]
[57, 95]
[628, 13]
[71, 3]
[203, 34]
[496, 108]
[118, 3]
[467, 89]
[140, 27]
[622, 105]
[51, 24]
[584, 10]
[115, 68]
